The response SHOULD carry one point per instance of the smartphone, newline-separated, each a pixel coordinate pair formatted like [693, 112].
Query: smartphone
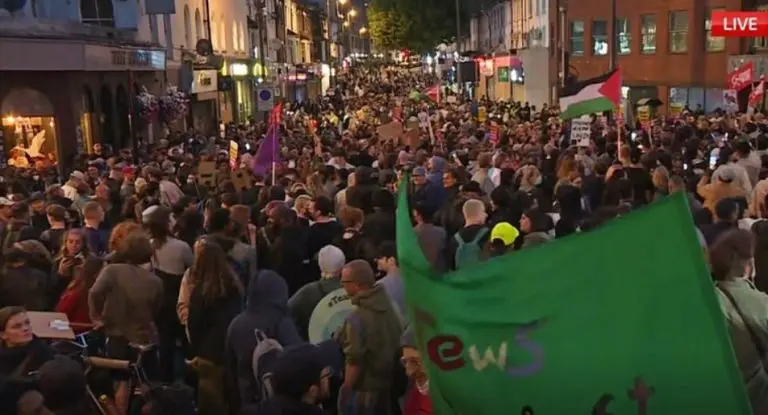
[634, 135]
[713, 156]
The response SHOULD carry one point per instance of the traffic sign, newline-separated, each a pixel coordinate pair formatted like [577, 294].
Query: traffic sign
[265, 98]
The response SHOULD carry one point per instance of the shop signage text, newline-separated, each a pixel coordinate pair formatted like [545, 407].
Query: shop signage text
[205, 81]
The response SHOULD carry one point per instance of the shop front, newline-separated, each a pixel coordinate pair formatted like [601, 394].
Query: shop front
[296, 86]
[59, 97]
[240, 97]
[486, 87]
[203, 95]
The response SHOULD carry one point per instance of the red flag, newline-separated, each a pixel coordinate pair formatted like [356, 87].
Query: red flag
[741, 77]
[611, 88]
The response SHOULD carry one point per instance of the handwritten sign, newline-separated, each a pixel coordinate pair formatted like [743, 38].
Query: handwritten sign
[581, 132]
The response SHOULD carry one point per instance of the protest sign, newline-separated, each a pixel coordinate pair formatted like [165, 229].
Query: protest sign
[234, 152]
[581, 131]
[390, 131]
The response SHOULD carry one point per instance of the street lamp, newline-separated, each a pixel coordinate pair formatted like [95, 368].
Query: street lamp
[352, 13]
[342, 2]
[363, 30]
[346, 23]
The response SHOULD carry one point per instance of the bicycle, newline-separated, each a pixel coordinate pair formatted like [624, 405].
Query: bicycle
[138, 382]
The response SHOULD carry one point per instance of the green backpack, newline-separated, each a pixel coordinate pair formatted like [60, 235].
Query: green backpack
[468, 253]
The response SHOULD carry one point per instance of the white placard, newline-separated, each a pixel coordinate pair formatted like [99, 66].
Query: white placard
[581, 131]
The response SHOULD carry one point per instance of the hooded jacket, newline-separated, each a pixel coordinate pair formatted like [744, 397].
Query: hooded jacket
[370, 339]
[436, 175]
[240, 252]
[266, 310]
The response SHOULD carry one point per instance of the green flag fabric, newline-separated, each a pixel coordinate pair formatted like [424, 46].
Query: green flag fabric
[620, 320]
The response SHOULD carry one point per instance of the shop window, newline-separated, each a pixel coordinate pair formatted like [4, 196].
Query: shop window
[648, 34]
[85, 134]
[709, 99]
[599, 37]
[27, 130]
[577, 38]
[678, 32]
[714, 43]
[623, 36]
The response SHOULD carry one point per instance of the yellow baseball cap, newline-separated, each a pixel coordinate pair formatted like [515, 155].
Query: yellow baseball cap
[506, 232]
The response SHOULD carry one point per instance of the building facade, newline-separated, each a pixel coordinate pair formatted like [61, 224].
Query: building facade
[664, 49]
[69, 75]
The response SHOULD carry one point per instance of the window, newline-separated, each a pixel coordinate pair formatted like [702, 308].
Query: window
[153, 28]
[599, 38]
[235, 37]
[760, 42]
[648, 34]
[97, 12]
[577, 38]
[678, 32]
[187, 28]
[198, 25]
[714, 43]
[222, 34]
[168, 28]
[623, 36]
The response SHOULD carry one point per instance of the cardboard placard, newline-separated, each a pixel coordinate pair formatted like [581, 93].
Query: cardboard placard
[412, 137]
[206, 174]
[241, 179]
[390, 131]
[48, 325]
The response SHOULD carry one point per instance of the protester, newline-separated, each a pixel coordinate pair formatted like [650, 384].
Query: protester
[368, 369]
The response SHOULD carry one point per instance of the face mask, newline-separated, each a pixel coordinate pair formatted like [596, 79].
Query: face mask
[35, 178]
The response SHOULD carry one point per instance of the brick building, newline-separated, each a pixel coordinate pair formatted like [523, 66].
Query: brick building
[664, 48]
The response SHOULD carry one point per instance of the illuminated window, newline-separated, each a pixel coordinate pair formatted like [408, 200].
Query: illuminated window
[599, 38]
[577, 38]
[648, 34]
[678, 32]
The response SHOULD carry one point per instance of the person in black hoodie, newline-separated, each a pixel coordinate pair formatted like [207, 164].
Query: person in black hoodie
[20, 353]
[266, 309]
[379, 226]
[215, 300]
[301, 381]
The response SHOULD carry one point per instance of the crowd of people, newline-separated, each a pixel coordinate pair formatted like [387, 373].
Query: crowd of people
[221, 270]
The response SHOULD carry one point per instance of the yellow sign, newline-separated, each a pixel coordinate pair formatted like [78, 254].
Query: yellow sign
[234, 152]
[644, 116]
[482, 114]
[676, 109]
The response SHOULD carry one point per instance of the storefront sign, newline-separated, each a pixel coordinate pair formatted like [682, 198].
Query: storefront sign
[238, 69]
[205, 81]
[503, 74]
[105, 58]
[299, 77]
[486, 67]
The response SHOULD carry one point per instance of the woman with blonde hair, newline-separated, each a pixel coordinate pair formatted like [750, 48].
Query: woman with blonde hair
[660, 179]
[731, 259]
[215, 299]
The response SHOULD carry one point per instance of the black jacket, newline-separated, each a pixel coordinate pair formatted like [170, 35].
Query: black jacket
[208, 324]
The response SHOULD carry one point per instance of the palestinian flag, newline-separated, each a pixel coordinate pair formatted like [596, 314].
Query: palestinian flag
[591, 96]
[433, 93]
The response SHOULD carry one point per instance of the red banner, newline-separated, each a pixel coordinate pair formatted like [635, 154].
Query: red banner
[741, 77]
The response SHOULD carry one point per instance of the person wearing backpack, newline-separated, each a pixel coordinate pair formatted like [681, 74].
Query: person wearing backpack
[242, 257]
[265, 318]
[301, 378]
[465, 247]
[301, 305]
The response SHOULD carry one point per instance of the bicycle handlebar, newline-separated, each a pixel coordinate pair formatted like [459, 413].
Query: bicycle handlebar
[107, 363]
